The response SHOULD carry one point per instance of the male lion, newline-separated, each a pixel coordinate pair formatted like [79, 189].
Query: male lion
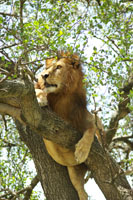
[61, 84]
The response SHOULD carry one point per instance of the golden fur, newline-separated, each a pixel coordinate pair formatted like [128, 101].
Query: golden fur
[61, 86]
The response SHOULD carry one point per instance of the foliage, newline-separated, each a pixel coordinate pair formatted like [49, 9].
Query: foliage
[16, 171]
[32, 31]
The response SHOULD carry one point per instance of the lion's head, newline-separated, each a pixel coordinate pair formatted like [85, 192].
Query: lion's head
[61, 75]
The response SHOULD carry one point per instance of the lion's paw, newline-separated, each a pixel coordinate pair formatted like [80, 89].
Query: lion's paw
[42, 102]
[41, 97]
[82, 151]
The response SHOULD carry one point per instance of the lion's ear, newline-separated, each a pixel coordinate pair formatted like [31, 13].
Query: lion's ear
[75, 57]
[75, 61]
[76, 64]
[49, 61]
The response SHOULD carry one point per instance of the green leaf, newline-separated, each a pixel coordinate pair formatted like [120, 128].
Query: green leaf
[60, 33]
[100, 26]
[1, 20]
[46, 26]
[91, 58]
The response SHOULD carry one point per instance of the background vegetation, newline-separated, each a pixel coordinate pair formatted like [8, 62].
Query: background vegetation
[101, 33]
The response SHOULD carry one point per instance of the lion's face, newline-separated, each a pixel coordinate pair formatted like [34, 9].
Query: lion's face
[59, 76]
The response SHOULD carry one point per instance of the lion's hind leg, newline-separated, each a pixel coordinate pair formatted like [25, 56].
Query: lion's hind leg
[77, 174]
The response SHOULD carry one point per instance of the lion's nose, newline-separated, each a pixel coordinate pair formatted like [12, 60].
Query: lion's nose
[45, 76]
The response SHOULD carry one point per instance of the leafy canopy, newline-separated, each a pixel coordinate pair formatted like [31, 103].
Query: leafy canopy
[32, 31]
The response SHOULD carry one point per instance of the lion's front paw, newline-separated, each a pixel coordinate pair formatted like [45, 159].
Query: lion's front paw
[82, 151]
[41, 97]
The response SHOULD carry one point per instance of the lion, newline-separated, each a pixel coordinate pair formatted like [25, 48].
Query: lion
[60, 86]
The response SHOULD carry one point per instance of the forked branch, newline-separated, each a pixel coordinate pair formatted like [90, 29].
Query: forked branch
[122, 111]
[53, 128]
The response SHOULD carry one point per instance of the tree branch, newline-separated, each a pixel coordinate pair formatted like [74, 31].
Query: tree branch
[123, 110]
[125, 139]
[9, 46]
[30, 188]
[43, 122]
[8, 144]
[12, 111]
[9, 14]
[20, 89]
[8, 63]
[27, 190]
[13, 88]
[51, 127]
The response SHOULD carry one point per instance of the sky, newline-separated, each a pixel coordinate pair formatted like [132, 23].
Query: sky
[93, 190]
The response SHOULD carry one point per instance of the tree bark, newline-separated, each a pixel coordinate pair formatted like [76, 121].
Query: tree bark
[53, 177]
[36, 123]
[107, 174]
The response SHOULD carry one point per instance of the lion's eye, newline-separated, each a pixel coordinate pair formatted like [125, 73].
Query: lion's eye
[58, 67]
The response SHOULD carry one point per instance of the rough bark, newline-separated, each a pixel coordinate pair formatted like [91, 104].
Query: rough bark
[35, 123]
[107, 174]
[36, 118]
[53, 177]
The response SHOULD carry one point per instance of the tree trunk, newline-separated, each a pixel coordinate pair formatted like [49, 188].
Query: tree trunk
[107, 174]
[44, 123]
[53, 177]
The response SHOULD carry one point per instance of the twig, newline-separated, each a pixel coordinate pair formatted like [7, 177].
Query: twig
[113, 42]
[125, 139]
[112, 181]
[11, 45]
[4, 120]
[7, 56]
[95, 112]
[26, 191]
[6, 77]
[9, 14]
[8, 144]
[107, 44]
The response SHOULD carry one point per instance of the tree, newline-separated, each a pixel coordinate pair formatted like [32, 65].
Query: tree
[32, 31]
